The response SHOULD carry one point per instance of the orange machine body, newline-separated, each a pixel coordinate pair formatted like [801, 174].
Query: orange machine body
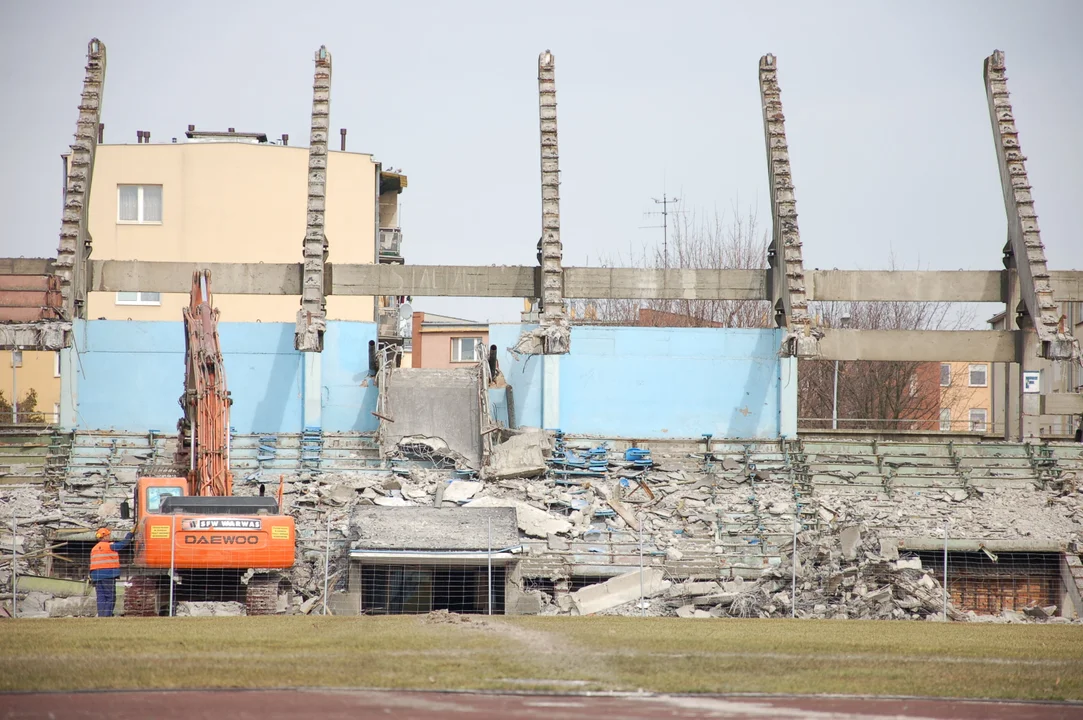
[186, 541]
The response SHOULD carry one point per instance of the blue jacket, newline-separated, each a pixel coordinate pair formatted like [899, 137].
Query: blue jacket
[111, 573]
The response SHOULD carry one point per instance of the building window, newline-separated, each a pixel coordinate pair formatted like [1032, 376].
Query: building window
[977, 420]
[139, 298]
[945, 374]
[139, 203]
[464, 349]
[16, 358]
[56, 364]
[945, 420]
[979, 375]
[56, 413]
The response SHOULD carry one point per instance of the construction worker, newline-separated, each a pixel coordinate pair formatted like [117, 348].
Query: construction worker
[105, 569]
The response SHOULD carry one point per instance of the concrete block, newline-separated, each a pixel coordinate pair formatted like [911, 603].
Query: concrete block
[889, 548]
[618, 590]
[532, 521]
[461, 490]
[75, 606]
[689, 589]
[519, 456]
[686, 611]
[850, 537]
[908, 564]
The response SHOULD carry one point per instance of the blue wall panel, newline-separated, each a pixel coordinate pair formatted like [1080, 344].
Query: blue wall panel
[133, 375]
[523, 374]
[349, 394]
[654, 382]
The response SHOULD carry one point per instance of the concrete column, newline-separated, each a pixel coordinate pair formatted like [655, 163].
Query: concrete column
[787, 401]
[550, 392]
[1027, 343]
[311, 390]
[69, 377]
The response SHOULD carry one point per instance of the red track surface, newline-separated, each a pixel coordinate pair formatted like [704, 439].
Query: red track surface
[352, 704]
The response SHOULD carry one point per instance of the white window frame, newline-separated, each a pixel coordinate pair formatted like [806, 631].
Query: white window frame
[945, 420]
[56, 413]
[140, 300]
[16, 358]
[978, 425]
[56, 364]
[985, 373]
[456, 348]
[139, 205]
[943, 367]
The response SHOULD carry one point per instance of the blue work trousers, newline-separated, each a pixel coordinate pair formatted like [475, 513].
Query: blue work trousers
[106, 590]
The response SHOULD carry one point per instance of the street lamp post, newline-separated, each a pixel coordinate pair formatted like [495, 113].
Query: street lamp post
[844, 321]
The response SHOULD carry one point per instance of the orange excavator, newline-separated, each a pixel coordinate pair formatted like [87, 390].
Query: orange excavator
[219, 546]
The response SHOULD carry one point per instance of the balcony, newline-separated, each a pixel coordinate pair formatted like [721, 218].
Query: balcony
[391, 246]
[388, 325]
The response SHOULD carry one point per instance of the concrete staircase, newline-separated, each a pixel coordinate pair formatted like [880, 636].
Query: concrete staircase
[32, 455]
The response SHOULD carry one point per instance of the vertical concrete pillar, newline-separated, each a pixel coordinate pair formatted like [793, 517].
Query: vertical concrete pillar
[550, 392]
[74, 249]
[787, 401]
[311, 390]
[1029, 404]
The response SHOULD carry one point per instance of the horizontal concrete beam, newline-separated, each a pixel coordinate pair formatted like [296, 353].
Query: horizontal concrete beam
[919, 345]
[1062, 404]
[579, 282]
[41, 335]
[636, 284]
[904, 285]
[434, 280]
[26, 266]
[975, 545]
[176, 277]
[1067, 285]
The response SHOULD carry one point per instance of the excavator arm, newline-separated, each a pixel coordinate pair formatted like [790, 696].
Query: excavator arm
[204, 427]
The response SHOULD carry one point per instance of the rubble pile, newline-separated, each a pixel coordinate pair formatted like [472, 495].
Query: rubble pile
[712, 531]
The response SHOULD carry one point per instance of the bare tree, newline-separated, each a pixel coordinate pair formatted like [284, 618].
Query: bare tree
[713, 242]
[892, 395]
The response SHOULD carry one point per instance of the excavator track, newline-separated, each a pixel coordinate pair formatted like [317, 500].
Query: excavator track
[261, 597]
[141, 597]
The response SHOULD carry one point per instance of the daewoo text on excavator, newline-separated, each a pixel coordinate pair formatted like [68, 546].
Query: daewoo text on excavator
[220, 546]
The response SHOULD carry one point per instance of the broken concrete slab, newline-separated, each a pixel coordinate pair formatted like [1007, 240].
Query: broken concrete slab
[686, 611]
[75, 606]
[519, 456]
[533, 521]
[689, 589]
[618, 590]
[461, 490]
[850, 538]
[208, 609]
[436, 529]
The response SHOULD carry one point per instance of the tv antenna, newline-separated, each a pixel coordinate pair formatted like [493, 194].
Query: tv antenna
[665, 212]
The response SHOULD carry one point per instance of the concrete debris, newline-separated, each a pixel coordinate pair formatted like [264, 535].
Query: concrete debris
[208, 609]
[76, 606]
[519, 456]
[533, 521]
[719, 536]
[459, 491]
[618, 591]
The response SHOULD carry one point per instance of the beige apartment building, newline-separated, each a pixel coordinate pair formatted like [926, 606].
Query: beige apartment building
[27, 374]
[965, 397]
[235, 197]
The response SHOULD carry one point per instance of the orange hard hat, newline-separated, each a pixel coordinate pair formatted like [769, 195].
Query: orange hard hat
[103, 533]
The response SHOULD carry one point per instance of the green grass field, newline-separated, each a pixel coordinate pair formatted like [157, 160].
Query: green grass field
[535, 653]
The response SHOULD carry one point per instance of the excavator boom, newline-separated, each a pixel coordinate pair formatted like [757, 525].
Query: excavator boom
[204, 428]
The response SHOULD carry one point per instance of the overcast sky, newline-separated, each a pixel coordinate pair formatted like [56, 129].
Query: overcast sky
[889, 131]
